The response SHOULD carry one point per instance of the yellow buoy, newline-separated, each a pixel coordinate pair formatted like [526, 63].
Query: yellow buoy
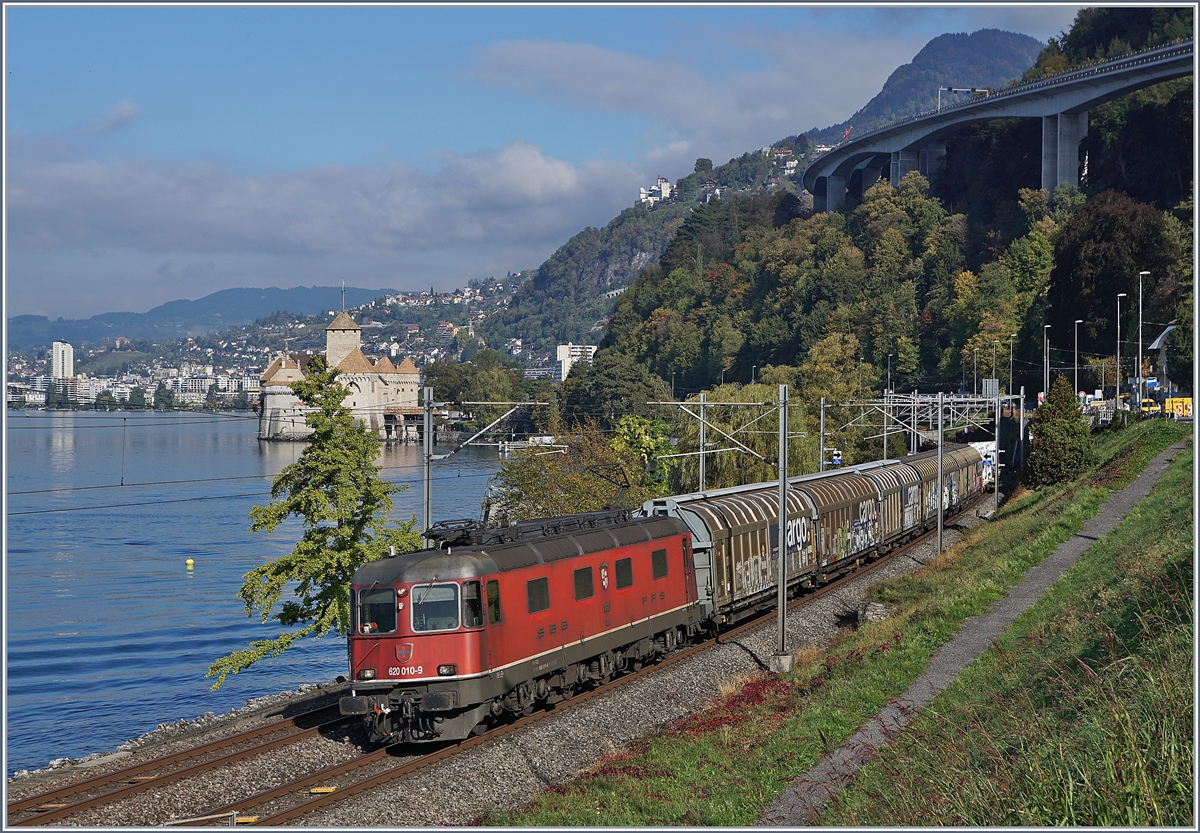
[189, 563]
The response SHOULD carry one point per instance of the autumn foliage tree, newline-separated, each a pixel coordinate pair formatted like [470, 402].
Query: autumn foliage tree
[334, 488]
[592, 470]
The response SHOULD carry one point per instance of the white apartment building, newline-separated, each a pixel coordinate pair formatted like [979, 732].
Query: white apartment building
[62, 360]
[568, 354]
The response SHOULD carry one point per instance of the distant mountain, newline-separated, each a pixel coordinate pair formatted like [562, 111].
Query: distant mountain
[987, 58]
[180, 319]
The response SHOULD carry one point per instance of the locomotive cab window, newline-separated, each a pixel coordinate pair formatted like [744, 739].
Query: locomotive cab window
[493, 601]
[435, 607]
[624, 573]
[658, 563]
[472, 605]
[377, 610]
[538, 592]
[584, 588]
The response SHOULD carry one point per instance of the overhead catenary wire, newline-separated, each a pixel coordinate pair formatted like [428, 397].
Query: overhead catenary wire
[260, 494]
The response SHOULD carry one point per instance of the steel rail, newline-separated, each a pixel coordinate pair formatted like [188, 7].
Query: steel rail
[58, 809]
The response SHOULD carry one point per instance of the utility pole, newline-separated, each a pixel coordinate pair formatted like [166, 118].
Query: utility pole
[1141, 278]
[1078, 321]
[703, 438]
[1010, 355]
[975, 383]
[1021, 434]
[781, 662]
[941, 485]
[1117, 387]
[427, 483]
[996, 462]
[1046, 360]
[822, 443]
[886, 392]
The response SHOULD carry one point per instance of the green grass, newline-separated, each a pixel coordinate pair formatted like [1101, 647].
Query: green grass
[1080, 715]
[109, 362]
[722, 765]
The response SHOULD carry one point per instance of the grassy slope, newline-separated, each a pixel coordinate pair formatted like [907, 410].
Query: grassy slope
[1082, 712]
[720, 766]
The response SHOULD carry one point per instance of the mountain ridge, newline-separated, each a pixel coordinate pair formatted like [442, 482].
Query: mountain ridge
[983, 58]
[182, 318]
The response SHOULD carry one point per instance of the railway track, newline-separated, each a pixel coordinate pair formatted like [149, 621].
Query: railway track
[68, 800]
[315, 791]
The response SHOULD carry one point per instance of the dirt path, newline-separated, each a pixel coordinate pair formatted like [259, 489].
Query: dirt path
[800, 803]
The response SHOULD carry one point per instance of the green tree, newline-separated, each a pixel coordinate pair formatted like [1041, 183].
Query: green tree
[1181, 346]
[105, 401]
[1062, 443]
[164, 397]
[444, 378]
[137, 398]
[612, 386]
[754, 427]
[343, 505]
[1099, 253]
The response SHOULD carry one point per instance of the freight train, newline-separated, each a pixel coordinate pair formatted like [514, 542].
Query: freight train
[494, 621]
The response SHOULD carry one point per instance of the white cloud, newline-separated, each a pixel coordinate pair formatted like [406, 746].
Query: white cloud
[145, 231]
[514, 194]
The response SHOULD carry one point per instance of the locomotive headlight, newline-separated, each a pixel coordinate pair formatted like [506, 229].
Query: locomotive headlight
[447, 670]
[366, 673]
[402, 592]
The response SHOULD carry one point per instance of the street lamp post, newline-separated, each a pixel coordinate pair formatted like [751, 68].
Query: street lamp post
[1010, 355]
[1046, 360]
[975, 382]
[1078, 321]
[1117, 389]
[995, 344]
[1141, 277]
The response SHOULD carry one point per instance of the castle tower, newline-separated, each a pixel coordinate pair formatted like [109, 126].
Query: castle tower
[342, 337]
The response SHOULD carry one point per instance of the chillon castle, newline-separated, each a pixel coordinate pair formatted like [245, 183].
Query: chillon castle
[382, 397]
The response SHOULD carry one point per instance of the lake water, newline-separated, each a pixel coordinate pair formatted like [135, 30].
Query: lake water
[107, 634]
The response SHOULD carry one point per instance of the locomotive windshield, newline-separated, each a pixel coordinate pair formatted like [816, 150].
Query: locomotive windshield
[377, 610]
[435, 607]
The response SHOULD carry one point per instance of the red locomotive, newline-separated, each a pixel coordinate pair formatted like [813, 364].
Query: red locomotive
[451, 639]
[496, 620]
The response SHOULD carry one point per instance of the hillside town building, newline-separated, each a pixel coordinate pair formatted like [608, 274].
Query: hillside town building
[659, 192]
[382, 397]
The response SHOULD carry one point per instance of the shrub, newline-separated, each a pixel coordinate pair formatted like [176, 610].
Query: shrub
[1062, 442]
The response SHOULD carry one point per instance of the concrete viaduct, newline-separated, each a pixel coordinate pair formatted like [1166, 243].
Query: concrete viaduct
[1061, 102]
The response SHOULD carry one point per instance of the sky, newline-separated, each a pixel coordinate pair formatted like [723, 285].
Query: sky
[162, 152]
